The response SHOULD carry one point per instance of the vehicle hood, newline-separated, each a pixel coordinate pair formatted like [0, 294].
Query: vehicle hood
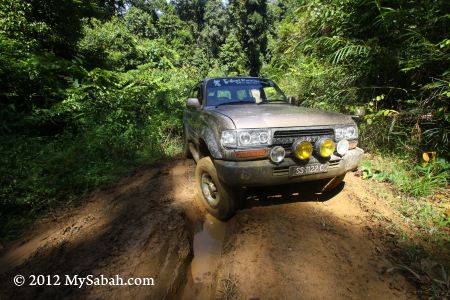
[279, 115]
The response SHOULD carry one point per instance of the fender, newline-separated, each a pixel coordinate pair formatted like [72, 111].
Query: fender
[210, 137]
[213, 124]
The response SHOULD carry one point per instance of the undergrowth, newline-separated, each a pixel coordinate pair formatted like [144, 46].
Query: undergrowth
[419, 192]
[41, 175]
[414, 180]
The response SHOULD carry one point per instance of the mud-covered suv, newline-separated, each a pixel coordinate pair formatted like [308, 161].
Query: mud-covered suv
[243, 131]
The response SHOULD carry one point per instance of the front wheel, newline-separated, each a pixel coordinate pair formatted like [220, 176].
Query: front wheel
[218, 198]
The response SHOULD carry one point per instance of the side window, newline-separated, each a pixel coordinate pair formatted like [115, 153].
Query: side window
[271, 93]
[211, 93]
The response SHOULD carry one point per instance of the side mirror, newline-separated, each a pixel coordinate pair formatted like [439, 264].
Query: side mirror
[360, 112]
[193, 103]
[292, 100]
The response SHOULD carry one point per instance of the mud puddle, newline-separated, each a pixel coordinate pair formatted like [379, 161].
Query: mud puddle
[207, 248]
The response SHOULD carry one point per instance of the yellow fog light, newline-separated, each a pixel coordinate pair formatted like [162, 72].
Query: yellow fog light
[326, 147]
[303, 150]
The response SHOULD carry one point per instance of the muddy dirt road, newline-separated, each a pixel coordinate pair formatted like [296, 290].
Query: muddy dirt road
[285, 244]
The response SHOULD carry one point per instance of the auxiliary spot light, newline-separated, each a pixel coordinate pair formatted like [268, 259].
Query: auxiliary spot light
[302, 149]
[325, 147]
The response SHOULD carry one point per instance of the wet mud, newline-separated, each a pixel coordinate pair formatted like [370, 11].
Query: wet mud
[286, 243]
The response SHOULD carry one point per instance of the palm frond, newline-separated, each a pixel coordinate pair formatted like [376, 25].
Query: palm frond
[348, 51]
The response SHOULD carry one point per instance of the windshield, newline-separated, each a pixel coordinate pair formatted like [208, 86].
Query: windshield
[229, 91]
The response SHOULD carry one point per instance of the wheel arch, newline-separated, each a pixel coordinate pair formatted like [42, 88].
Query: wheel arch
[208, 145]
[203, 150]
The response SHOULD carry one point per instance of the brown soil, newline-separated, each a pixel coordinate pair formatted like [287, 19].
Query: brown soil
[285, 244]
[311, 248]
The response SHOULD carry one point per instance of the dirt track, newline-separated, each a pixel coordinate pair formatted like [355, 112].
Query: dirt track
[286, 244]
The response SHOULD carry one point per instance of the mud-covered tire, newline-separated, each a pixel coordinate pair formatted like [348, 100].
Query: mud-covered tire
[186, 151]
[226, 206]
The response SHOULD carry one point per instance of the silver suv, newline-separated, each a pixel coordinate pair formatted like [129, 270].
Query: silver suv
[243, 131]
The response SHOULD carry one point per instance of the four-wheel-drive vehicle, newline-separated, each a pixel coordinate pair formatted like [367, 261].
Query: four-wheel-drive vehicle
[244, 132]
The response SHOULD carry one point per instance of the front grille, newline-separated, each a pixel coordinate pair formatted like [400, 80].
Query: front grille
[285, 138]
[302, 132]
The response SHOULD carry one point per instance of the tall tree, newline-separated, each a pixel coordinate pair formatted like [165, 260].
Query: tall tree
[64, 19]
[190, 10]
[216, 26]
[251, 19]
[232, 57]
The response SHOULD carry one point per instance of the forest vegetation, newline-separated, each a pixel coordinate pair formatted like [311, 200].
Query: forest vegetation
[92, 89]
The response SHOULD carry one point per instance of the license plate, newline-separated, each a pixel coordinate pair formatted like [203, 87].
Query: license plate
[308, 169]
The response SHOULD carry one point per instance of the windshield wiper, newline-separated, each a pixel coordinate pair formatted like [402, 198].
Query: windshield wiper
[233, 102]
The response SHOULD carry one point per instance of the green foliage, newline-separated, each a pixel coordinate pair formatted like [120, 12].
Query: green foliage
[251, 19]
[231, 57]
[418, 192]
[216, 27]
[69, 126]
[111, 45]
[141, 23]
[190, 10]
[15, 24]
[54, 25]
[31, 82]
[343, 54]
[412, 179]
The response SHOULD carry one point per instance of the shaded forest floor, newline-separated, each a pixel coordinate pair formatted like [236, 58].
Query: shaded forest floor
[285, 243]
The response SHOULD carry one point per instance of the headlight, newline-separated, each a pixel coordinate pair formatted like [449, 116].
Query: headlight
[346, 132]
[246, 138]
[228, 138]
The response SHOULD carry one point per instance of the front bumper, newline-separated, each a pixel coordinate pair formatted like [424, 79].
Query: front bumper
[265, 173]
